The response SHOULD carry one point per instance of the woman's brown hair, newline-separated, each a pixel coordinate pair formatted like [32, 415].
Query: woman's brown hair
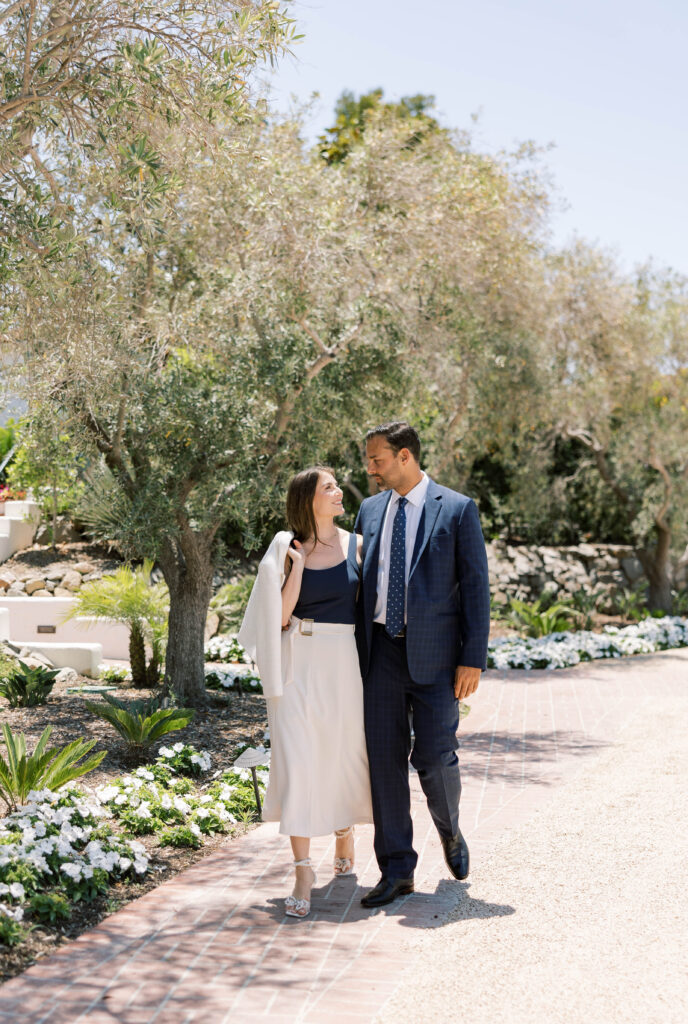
[300, 496]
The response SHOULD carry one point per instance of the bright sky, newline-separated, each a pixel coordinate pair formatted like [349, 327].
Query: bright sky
[606, 81]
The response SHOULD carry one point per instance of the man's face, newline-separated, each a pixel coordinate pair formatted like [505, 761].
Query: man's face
[387, 468]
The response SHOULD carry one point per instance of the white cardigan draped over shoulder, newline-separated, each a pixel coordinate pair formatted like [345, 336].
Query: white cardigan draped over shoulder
[261, 630]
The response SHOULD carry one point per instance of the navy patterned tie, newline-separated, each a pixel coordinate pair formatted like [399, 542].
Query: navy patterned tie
[396, 588]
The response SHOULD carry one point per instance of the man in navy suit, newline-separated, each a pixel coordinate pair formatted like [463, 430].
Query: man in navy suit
[422, 630]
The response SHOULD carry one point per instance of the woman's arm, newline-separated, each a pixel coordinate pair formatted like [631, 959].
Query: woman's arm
[292, 587]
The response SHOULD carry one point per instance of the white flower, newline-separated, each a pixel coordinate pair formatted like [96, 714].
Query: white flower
[121, 799]
[125, 863]
[73, 870]
[195, 829]
[141, 865]
[165, 752]
[178, 747]
[145, 774]
[17, 890]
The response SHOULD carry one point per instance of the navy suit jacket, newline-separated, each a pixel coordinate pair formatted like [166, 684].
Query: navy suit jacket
[448, 595]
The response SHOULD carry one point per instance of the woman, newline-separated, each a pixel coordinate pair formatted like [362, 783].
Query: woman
[319, 779]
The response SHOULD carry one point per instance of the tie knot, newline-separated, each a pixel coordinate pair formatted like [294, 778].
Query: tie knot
[402, 502]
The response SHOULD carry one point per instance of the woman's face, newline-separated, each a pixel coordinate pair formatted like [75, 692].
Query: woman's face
[327, 500]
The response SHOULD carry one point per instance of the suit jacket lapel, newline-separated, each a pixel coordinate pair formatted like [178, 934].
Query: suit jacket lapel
[431, 510]
[372, 534]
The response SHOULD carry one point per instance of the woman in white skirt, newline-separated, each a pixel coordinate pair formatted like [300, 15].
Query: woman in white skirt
[319, 780]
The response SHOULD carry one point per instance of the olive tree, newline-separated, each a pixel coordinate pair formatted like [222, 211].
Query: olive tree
[619, 387]
[235, 307]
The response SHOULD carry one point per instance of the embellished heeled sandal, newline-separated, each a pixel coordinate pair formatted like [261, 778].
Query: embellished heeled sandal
[344, 865]
[294, 907]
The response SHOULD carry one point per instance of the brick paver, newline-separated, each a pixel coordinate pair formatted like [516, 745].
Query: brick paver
[213, 944]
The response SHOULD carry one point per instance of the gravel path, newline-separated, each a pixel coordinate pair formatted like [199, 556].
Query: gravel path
[581, 915]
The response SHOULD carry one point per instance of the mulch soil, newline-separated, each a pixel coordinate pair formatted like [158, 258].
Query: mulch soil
[229, 722]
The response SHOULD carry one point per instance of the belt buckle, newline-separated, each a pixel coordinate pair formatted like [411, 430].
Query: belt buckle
[308, 623]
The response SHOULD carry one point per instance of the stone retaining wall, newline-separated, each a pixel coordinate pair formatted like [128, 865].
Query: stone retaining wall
[525, 572]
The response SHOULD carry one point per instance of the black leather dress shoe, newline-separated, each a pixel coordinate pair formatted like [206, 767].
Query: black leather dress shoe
[387, 890]
[457, 856]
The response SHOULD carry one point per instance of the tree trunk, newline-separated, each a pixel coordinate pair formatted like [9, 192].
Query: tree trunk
[656, 566]
[137, 655]
[187, 565]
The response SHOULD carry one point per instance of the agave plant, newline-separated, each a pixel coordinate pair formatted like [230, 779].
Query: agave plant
[46, 768]
[27, 687]
[128, 596]
[140, 722]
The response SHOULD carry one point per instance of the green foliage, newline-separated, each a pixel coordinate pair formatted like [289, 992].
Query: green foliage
[46, 768]
[26, 687]
[50, 907]
[127, 596]
[539, 621]
[86, 890]
[181, 836]
[45, 461]
[352, 116]
[631, 604]
[11, 932]
[140, 723]
[230, 602]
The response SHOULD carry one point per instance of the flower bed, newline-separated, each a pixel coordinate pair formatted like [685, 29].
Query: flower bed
[68, 846]
[560, 650]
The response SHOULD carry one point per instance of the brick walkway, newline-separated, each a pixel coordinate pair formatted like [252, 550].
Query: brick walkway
[212, 945]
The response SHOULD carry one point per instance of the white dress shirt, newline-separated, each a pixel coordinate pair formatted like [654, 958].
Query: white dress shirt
[414, 508]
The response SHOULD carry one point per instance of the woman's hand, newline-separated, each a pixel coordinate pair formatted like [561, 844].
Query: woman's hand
[297, 555]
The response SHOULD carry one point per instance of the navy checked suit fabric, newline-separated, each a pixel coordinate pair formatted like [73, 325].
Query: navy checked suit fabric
[447, 594]
[396, 587]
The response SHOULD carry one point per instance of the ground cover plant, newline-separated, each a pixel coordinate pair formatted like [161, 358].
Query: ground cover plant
[69, 846]
[562, 649]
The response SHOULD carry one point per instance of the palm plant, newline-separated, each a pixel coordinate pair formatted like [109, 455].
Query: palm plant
[128, 596]
[44, 769]
[140, 722]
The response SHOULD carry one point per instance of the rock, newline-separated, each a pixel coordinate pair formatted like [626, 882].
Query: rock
[62, 592]
[17, 588]
[41, 593]
[69, 676]
[71, 580]
[7, 578]
[632, 568]
[49, 586]
[32, 585]
[84, 568]
[212, 623]
[23, 575]
[33, 659]
[95, 575]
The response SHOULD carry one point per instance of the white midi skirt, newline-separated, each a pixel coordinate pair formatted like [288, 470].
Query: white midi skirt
[319, 777]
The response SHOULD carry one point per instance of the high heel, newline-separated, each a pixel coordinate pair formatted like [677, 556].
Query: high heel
[294, 907]
[343, 865]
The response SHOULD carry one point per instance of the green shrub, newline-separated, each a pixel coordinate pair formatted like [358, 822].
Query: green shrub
[50, 907]
[11, 932]
[538, 621]
[26, 687]
[182, 836]
[229, 603]
[140, 723]
[44, 769]
[20, 871]
[114, 674]
[86, 890]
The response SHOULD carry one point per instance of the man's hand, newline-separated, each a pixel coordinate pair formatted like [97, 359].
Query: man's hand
[466, 681]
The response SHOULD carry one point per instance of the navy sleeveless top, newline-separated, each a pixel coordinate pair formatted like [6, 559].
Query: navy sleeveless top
[329, 595]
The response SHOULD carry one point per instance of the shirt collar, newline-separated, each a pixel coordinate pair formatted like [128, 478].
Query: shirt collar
[416, 496]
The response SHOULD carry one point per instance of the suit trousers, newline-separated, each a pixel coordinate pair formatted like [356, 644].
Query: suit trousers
[389, 695]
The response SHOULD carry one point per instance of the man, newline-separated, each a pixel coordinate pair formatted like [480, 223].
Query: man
[422, 630]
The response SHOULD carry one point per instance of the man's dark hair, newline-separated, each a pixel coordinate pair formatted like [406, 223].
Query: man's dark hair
[398, 435]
